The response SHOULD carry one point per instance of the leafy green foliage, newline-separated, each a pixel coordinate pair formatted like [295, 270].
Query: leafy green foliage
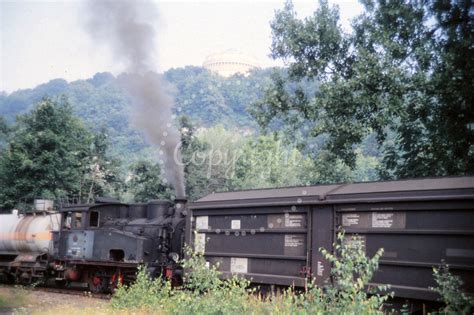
[51, 154]
[4, 131]
[219, 159]
[146, 182]
[45, 155]
[270, 163]
[453, 80]
[221, 149]
[145, 292]
[352, 271]
[205, 97]
[203, 292]
[404, 73]
[19, 102]
[198, 180]
[103, 175]
[209, 99]
[449, 287]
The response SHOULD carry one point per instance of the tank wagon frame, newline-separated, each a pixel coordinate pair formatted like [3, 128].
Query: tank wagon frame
[26, 245]
[273, 236]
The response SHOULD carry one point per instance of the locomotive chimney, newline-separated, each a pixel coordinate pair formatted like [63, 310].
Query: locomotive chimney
[157, 209]
[180, 207]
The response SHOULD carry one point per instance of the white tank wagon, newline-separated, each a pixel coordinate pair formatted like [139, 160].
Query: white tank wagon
[30, 233]
[27, 244]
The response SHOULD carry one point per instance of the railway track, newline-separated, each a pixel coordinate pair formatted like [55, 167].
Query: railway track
[74, 291]
[66, 291]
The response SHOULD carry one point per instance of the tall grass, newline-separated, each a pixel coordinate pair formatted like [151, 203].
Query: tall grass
[12, 299]
[3, 302]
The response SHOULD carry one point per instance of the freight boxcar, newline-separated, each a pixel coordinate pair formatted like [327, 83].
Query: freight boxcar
[273, 236]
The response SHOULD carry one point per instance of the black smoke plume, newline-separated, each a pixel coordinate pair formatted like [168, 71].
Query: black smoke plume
[127, 28]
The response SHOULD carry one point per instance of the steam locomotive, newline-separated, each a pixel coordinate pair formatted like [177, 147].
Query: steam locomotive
[99, 245]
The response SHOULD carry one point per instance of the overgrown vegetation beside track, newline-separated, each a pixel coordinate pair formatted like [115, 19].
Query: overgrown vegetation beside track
[205, 293]
[12, 299]
[449, 288]
[21, 300]
[3, 302]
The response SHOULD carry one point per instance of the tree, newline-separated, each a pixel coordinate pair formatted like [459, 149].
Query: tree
[392, 76]
[4, 131]
[219, 159]
[208, 157]
[102, 176]
[51, 154]
[207, 98]
[266, 162]
[46, 154]
[147, 182]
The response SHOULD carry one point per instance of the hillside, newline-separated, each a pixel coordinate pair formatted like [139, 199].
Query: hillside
[206, 98]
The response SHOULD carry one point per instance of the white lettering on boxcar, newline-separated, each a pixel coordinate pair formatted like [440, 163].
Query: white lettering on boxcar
[202, 222]
[238, 265]
[235, 224]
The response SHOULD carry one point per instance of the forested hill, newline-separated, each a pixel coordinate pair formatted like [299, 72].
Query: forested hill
[206, 98]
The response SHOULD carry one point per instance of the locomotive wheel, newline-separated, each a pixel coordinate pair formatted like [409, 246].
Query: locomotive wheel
[98, 282]
[10, 279]
[61, 283]
[25, 278]
[116, 280]
[129, 276]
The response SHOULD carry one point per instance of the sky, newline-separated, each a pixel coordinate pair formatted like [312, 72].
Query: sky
[43, 40]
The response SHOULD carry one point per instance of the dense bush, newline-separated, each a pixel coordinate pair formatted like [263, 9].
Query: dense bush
[352, 271]
[449, 287]
[203, 292]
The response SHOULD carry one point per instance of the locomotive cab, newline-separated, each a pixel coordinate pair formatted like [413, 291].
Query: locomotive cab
[99, 233]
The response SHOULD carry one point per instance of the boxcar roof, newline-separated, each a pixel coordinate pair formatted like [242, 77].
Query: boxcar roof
[427, 188]
[317, 191]
[408, 185]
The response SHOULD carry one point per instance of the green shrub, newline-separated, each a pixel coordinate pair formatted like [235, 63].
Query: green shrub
[449, 287]
[3, 302]
[199, 277]
[203, 292]
[351, 273]
[206, 293]
[144, 293]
